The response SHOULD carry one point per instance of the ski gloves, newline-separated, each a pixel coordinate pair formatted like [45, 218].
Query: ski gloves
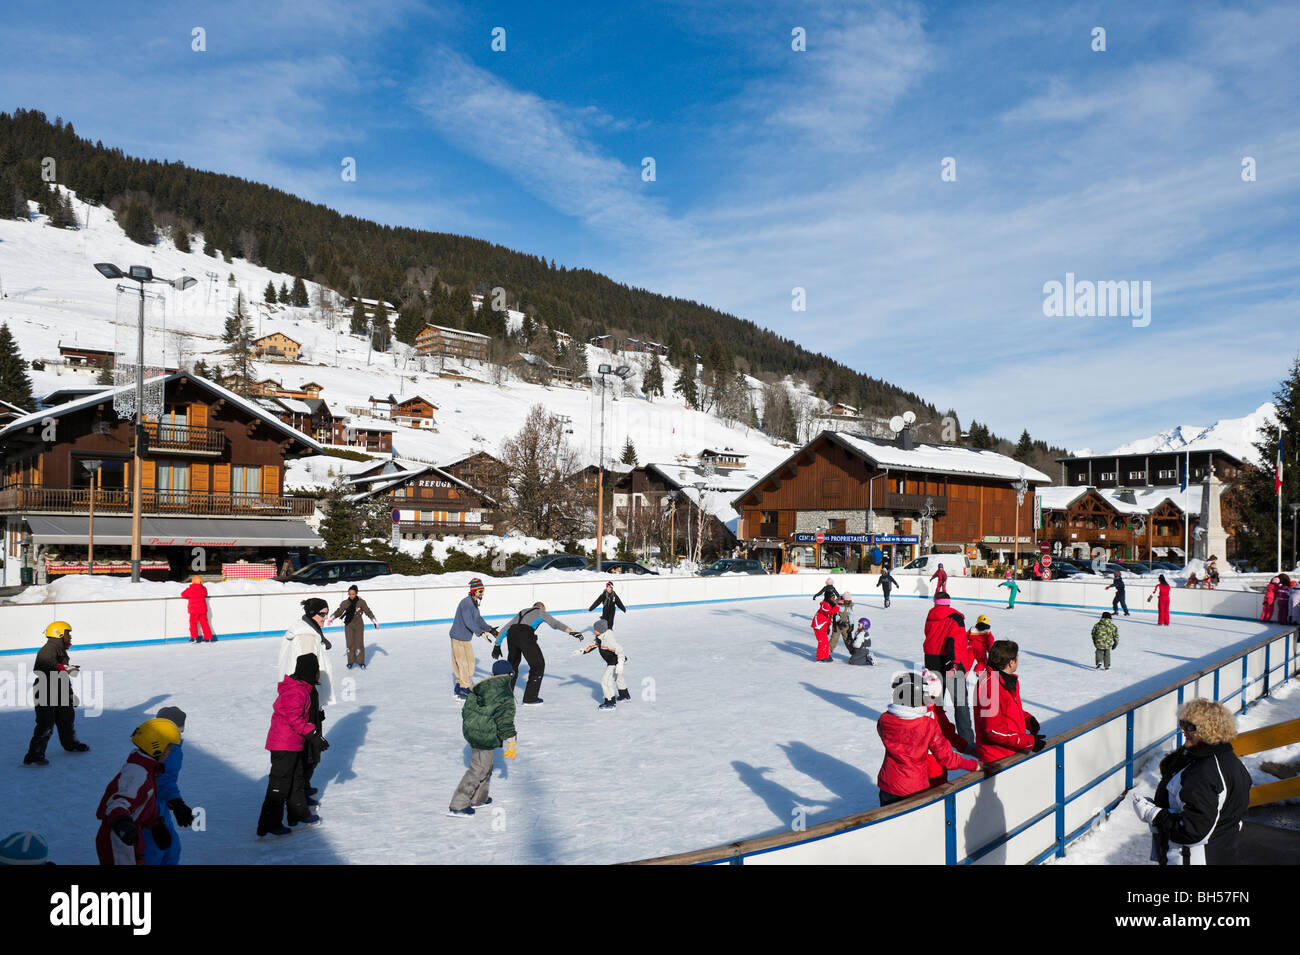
[184, 815]
[511, 747]
[496, 653]
[1145, 808]
[1039, 742]
[1031, 724]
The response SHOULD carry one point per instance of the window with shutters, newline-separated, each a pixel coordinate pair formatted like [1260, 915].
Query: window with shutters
[245, 481]
[172, 483]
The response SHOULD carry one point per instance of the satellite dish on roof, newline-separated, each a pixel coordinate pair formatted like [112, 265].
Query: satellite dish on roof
[896, 424]
[908, 417]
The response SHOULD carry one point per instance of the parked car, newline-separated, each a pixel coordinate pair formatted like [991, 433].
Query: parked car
[326, 572]
[1140, 567]
[733, 565]
[1242, 566]
[552, 562]
[1064, 571]
[956, 565]
[626, 567]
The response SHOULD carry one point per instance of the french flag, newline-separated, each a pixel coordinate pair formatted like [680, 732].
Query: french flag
[1277, 477]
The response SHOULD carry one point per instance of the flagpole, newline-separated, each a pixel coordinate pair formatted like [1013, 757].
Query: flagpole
[1278, 478]
[1187, 520]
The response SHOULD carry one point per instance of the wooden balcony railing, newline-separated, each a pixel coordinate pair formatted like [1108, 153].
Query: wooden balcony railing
[117, 501]
[443, 527]
[185, 439]
[914, 502]
[767, 530]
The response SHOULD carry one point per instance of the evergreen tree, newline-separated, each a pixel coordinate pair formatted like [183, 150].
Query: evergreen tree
[240, 328]
[1024, 448]
[202, 370]
[629, 453]
[358, 318]
[234, 321]
[15, 386]
[410, 322]
[137, 223]
[1253, 498]
[299, 297]
[105, 376]
[652, 382]
[686, 386]
[284, 294]
[269, 294]
[181, 238]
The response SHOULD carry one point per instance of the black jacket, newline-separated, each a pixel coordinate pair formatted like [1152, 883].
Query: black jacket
[886, 581]
[607, 601]
[830, 593]
[53, 686]
[1205, 792]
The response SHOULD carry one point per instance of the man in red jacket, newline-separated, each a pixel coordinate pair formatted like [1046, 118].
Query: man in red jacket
[196, 596]
[948, 654]
[919, 740]
[1002, 727]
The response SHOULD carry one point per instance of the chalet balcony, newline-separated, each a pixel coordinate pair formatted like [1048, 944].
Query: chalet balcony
[443, 527]
[913, 502]
[768, 531]
[49, 500]
[185, 439]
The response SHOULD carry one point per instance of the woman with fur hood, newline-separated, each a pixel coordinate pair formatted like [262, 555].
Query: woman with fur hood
[306, 636]
[1204, 792]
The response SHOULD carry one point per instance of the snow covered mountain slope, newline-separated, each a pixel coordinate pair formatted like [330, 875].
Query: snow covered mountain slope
[51, 294]
[1237, 436]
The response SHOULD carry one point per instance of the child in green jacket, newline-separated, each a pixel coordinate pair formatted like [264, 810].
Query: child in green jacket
[487, 721]
[1105, 638]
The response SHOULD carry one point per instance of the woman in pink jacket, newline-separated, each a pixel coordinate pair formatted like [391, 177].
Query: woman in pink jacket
[290, 726]
[197, 596]
[1161, 593]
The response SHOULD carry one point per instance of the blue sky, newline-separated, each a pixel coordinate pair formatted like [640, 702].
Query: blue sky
[778, 169]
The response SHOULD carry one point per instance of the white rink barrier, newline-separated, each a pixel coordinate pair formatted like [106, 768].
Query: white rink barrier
[107, 623]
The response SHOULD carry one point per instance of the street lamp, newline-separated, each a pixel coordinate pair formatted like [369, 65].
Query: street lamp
[699, 523]
[1021, 486]
[140, 274]
[622, 372]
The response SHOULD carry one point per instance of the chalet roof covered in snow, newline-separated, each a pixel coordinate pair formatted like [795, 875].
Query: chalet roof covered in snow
[89, 401]
[939, 459]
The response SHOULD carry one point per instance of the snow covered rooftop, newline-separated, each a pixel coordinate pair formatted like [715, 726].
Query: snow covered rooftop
[1059, 498]
[940, 459]
[1145, 499]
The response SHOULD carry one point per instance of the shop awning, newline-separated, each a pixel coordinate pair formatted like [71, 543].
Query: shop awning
[174, 532]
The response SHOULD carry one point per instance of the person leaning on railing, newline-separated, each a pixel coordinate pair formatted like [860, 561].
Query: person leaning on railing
[1197, 813]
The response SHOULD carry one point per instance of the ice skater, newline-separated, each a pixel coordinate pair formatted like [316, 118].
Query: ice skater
[980, 638]
[520, 635]
[350, 611]
[611, 684]
[1117, 583]
[821, 626]
[467, 624]
[942, 576]
[609, 604]
[828, 591]
[487, 721]
[841, 623]
[948, 654]
[196, 597]
[1105, 638]
[171, 805]
[1013, 589]
[52, 693]
[859, 645]
[291, 725]
[1270, 597]
[130, 805]
[1161, 592]
[920, 744]
[886, 583]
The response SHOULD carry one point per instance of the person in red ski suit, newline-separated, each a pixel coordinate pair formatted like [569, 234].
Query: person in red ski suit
[1161, 593]
[130, 805]
[821, 627]
[1270, 598]
[1002, 727]
[948, 654]
[921, 745]
[197, 596]
[943, 578]
[980, 639]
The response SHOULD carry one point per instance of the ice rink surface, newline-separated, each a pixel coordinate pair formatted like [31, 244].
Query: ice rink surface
[732, 731]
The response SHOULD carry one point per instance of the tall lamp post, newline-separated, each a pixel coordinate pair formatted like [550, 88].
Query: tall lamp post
[700, 487]
[1021, 486]
[140, 274]
[93, 467]
[622, 372]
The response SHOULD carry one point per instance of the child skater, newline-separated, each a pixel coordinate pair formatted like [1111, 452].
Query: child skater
[859, 644]
[612, 653]
[1013, 588]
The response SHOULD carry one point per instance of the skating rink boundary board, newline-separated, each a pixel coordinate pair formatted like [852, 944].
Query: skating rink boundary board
[1032, 806]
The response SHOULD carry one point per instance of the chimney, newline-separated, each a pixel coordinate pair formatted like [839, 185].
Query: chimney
[905, 439]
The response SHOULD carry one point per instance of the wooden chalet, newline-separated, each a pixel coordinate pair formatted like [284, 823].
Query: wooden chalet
[415, 412]
[212, 477]
[364, 434]
[81, 355]
[429, 501]
[1162, 469]
[452, 342]
[276, 345]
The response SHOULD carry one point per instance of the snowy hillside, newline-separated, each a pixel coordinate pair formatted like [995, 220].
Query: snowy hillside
[51, 294]
[1237, 436]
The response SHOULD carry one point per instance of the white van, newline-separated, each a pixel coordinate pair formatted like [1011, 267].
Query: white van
[957, 565]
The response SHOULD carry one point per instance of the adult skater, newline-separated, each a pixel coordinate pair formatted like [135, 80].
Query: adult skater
[1270, 596]
[609, 603]
[1002, 727]
[828, 591]
[130, 805]
[170, 803]
[196, 598]
[821, 628]
[1161, 593]
[53, 696]
[306, 636]
[942, 576]
[520, 635]
[612, 653]
[1204, 792]
[291, 725]
[948, 654]
[1105, 638]
[487, 721]
[1284, 588]
[1039, 572]
[886, 583]
[919, 740]
[1117, 583]
[350, 612]
[1013, 590]
[841, 623]
[468, 624]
